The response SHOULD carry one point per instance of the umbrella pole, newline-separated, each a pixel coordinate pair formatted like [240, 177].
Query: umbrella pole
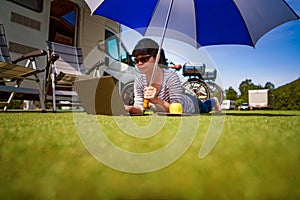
[146, 101]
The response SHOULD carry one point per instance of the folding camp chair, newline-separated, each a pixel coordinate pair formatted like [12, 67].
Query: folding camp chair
[12, 75]
[62, 74]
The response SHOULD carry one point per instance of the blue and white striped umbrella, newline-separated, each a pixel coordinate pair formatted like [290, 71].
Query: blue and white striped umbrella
[198, 22]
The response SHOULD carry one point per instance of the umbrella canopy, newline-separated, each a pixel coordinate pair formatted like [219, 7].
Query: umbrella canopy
[198, 22]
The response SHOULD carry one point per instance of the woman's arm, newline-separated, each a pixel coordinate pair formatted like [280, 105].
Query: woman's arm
[161, 104]
[151, 94]
[137, 108]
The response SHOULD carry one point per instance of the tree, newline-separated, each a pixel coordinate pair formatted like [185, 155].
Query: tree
[269, 85]
[239, 102]
[287, 96]
[231, 94]
[245, 86]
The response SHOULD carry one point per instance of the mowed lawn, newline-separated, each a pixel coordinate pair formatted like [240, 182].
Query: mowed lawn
[256, 157]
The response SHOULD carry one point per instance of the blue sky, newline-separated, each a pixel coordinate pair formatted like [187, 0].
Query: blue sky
[275, 58]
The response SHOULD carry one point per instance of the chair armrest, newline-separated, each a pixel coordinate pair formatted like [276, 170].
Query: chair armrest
[30, 55]
[54, 57]
[95, 66]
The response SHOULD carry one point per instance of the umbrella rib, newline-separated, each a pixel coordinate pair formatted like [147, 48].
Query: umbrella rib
[298, 17]
[196, 29]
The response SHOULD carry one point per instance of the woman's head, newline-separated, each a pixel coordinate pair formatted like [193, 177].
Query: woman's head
[148, 47]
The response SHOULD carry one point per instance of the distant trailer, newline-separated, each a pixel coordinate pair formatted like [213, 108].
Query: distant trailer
[228, 105]
[260, 99]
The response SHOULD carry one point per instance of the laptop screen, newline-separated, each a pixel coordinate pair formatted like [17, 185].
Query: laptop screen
[100, 96]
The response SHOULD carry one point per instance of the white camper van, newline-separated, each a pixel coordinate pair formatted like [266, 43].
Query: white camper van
[29, 24]
[228, 104]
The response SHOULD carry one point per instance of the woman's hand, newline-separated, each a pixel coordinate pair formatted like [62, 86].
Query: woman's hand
[150, 93]
[133, 109]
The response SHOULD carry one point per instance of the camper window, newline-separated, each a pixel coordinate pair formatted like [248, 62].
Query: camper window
[114, 47]
[35, 5]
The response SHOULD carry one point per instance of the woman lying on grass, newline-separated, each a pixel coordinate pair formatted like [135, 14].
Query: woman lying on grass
[166, 87]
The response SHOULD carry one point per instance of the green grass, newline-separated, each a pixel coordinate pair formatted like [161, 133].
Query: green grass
[256, 157]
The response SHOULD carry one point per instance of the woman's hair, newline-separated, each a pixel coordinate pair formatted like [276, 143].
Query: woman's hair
[148, 46]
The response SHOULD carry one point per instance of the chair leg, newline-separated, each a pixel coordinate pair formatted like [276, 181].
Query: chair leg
[38, 84]
[53, 91]
[41, 94]
[11, 96]
[9, 101]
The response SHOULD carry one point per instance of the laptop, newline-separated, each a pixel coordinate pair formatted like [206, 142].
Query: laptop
[100, 96]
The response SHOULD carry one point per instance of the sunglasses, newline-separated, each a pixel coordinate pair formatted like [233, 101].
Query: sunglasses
[142, 59]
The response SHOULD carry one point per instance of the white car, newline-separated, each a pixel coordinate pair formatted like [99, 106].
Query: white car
[244, 106]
